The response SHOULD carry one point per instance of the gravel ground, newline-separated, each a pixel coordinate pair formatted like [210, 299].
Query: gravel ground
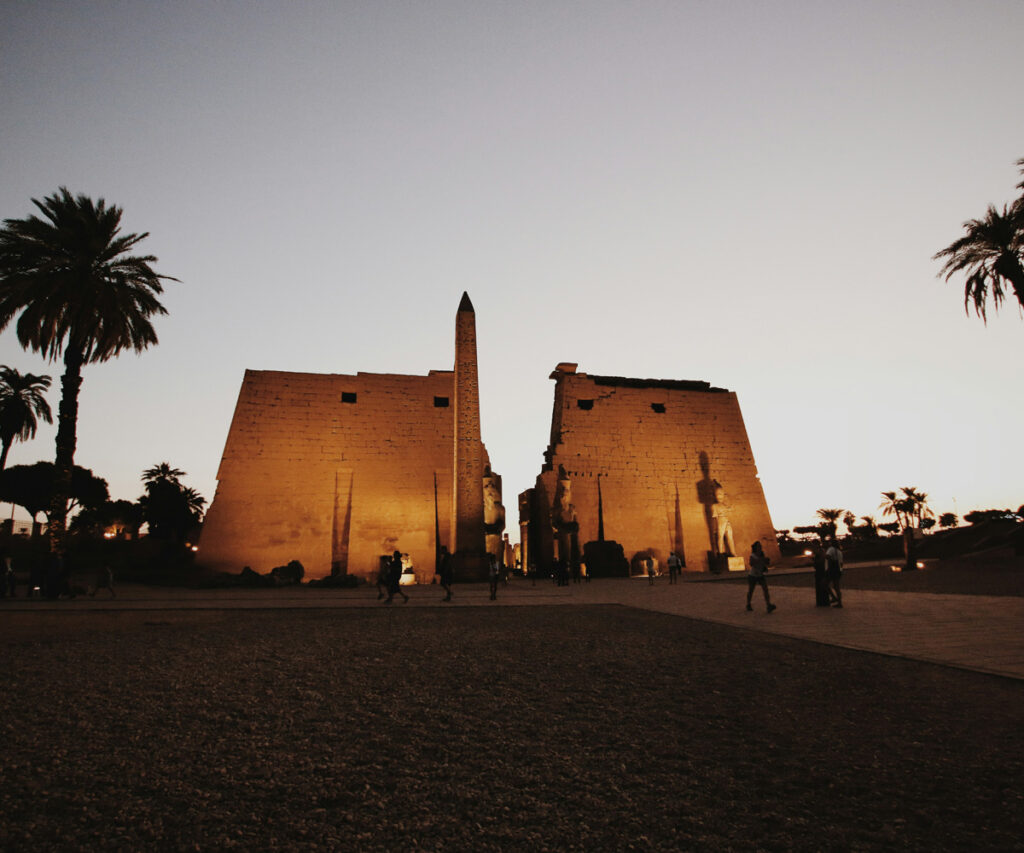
[583, 728]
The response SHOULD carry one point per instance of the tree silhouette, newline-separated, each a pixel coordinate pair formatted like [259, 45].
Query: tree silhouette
[948, 519]
[78, 293]
[991, 253]
[21, 403]
[894, 505]
[32, 487]
[910, 507]
[126, 516]
[830, 517]
[916, 506]
[169, 507]
[162, 473]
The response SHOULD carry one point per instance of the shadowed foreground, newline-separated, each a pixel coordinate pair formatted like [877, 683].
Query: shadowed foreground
[526, 728]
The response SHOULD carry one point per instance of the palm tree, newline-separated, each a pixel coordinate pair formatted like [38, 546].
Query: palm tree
[992, 254]
[916, 506]
[21, 403]
[910, 507]
[170, 507]
[896, 506]
[194, 502]
[162, 473]
[830, 517]
[948, 519]
[80, 294]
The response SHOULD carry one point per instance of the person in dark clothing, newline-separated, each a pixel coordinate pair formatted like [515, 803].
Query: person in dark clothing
[493, 575]
[445, 571]
[820, 578]
[561, 573]
[675, 565]
[382, 577]
[7, 580]
[395, 578]
[834, 572]
[758, 563]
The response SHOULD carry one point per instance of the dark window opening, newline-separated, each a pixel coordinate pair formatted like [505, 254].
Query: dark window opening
[348, 396]
[440, 402]
[586, 405]
[658, 407]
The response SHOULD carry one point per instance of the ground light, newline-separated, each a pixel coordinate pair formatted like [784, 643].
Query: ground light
[920, 565]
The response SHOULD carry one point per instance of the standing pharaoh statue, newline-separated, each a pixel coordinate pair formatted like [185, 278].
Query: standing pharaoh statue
[563, 521]
[494, 513]
[723, 542]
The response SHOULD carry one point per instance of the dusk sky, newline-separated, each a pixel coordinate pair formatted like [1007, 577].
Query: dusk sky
[747, 193]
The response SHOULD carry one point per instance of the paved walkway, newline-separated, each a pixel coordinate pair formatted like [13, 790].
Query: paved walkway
[980, 633]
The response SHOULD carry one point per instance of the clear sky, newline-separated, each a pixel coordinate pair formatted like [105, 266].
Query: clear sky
[747, 193]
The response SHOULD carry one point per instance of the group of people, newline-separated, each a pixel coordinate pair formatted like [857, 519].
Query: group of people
[828, 575]
[828, 572]
[389, 580]
[675, 567]
[49, 576]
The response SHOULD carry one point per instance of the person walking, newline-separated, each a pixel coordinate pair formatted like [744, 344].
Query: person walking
[820, 577]
[395, 578]
[445, 571]
[493, 575]
[759, 563]
[383, 573]
[7, 582]
[834, 571]
[649, 563]
[675, 566]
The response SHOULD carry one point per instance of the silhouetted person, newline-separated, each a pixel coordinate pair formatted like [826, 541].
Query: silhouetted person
[395, 578]
[104, 580]
[834, 570]
[820, 577]
[759, 563]
[493, 574]
[562, 573]
[445, 571]
[649, 563]
[7, 581]
[675, 565]
[54, 578]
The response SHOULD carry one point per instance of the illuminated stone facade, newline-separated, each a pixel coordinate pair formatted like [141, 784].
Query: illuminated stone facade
[338, 470]
[654, 465]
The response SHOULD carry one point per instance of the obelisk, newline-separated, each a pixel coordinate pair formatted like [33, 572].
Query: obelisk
[469, 556]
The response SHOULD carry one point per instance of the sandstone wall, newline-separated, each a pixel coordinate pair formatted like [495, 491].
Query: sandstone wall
[657, 448]
[335, 470]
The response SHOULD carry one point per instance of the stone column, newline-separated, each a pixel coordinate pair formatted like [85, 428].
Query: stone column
[469, 556]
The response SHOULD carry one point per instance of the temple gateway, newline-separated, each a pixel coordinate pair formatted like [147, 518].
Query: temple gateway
[639, 468]
[337, 471]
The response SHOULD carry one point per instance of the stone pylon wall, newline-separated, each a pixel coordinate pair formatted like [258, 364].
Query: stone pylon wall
[657, 447]
[334, 470]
